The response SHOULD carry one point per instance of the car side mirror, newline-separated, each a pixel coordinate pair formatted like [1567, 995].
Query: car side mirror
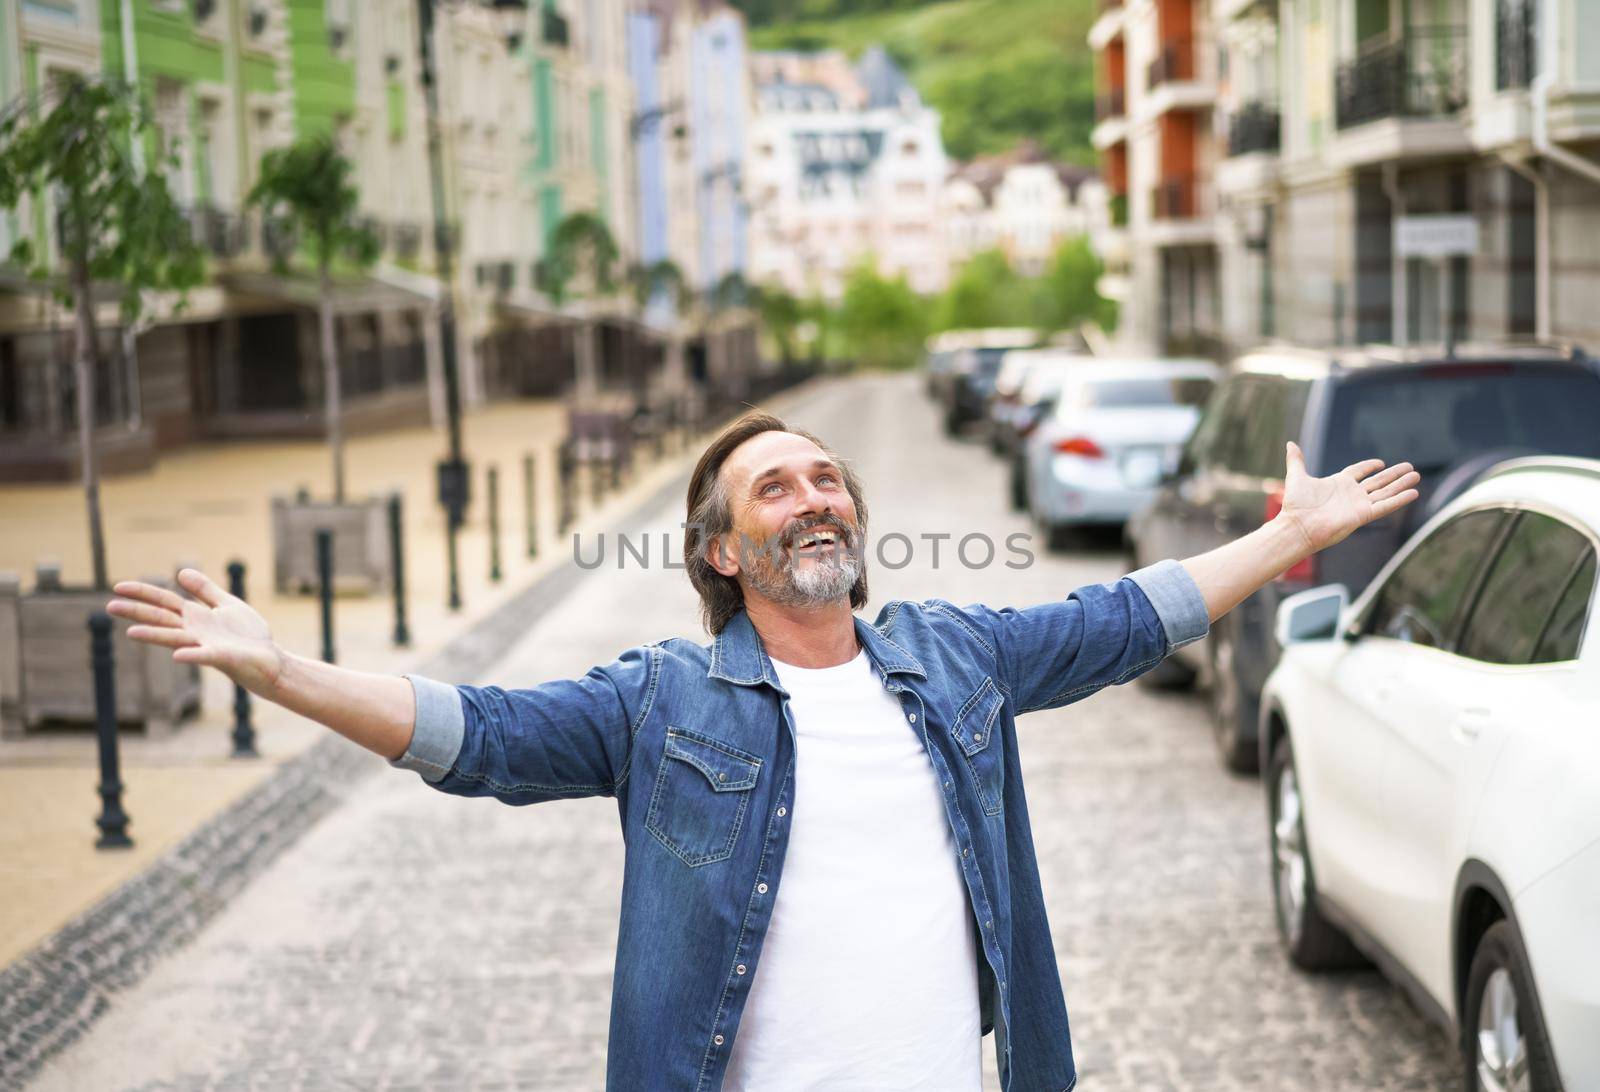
[1311, 615]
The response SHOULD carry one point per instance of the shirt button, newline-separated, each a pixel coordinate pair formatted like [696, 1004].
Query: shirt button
[988, 925]
[978, 738]
[740, 968]
[963, 851]
[782, 812]
[947, 784]
[912, 717]
[722, 777]
[761, 889]
[717, 1040]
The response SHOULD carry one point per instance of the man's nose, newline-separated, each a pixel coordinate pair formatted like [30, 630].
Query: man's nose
[811, 499]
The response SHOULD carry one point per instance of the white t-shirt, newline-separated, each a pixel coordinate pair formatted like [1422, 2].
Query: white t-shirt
[868, 977]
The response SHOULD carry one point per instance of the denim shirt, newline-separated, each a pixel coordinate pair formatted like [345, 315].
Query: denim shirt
[696, 743]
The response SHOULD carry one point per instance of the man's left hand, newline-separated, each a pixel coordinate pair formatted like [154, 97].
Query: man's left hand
[1325, 510]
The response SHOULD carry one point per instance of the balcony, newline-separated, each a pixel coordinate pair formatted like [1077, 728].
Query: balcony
[1111, 122]
[1516, 55]
[1110, 104]
[554, 29]
[1180, 211]
[1177, 198]
[1254, 127]
[1175, 60]
[1422, 76]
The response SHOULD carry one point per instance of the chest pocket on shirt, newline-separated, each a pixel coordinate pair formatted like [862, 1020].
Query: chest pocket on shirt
[701, 794]
[974, 729]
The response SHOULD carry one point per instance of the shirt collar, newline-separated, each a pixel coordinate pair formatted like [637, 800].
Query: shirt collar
[738, 655]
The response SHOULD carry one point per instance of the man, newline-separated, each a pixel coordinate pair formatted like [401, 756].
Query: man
[834, 804]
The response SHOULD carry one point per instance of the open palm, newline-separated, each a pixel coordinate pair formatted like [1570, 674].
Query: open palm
[1327, 509]
[214, 629]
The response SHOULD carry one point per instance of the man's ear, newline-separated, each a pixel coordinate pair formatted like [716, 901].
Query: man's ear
[718, 558]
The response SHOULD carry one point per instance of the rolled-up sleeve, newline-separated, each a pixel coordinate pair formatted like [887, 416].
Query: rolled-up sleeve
[561, 739]
[1055, 653]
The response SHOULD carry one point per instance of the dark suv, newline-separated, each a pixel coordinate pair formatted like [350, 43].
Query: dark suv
[1452, 417]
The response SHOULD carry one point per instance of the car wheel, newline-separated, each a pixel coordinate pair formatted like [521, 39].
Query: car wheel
[1233, 710]
[1313, 942]
[1504, 1044]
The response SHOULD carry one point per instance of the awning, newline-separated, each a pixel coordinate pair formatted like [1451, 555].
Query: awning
[351, 293]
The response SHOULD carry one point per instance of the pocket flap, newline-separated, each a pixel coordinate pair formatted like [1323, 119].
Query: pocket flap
[975, 722]
[725, 767]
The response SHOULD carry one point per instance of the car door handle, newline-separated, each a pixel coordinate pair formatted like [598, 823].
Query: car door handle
[1470, 723]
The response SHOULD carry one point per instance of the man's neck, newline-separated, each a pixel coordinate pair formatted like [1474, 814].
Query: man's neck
[812, 637]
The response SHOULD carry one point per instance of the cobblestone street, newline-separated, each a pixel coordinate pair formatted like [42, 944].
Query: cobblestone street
[415, 940]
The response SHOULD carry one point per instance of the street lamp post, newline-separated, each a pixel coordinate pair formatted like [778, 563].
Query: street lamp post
[453, 473]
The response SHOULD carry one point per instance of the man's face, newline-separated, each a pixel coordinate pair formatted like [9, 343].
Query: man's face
[787, 498]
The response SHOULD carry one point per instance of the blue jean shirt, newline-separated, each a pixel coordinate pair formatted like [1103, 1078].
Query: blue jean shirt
[696, 744]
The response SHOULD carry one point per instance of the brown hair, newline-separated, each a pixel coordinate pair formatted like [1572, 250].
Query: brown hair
[710, 514]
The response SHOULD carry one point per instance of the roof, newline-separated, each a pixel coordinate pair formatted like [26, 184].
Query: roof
[885, 84]
[1559, 482]
[987, 172]
[1305, 362]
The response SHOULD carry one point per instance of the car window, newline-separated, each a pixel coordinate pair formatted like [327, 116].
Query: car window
[1422, 597]
[1563, 634]
[1218, 410]
[1230, 449]
[1274, 418]
[1438, 416]
[1522, 590]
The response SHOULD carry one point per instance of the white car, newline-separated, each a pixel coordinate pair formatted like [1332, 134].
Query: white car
[1115, 428]
[1432, 758]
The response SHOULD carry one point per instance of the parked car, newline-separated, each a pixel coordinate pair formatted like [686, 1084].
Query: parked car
[952, 352]
[1113, 427]
[1450, 416]
[1024, 380]
[1433, 774]
[972, 373]
[1036, 401]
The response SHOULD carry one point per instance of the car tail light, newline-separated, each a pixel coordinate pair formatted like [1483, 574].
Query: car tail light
[1303, 571]
[1079, 445]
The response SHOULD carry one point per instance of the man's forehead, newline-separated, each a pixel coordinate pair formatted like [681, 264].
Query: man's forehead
[767, 450]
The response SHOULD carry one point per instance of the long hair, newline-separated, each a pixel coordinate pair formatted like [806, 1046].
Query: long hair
[710, 514]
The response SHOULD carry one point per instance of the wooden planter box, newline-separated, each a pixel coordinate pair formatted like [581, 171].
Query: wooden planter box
[46, 673]
[361, 559]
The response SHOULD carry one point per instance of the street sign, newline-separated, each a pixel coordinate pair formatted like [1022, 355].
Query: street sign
[1443, 235]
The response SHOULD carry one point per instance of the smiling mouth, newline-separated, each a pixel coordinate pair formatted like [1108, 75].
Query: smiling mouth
[821, 538]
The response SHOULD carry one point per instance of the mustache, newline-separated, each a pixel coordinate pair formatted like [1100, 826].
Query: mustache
[802, 529]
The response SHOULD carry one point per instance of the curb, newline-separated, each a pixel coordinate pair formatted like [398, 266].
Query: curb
[50, 996]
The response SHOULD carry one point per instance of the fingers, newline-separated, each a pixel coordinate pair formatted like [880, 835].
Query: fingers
[1363, 468]
[1388, 476]
[1393, 504]
[202, 587]
[148, 593]
[135, 611]
[161, 635]
[1396, 487]
[197, 654]
[1295, 457]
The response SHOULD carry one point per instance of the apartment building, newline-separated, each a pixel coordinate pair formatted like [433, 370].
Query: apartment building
[1331, 120]
[1022, 203]
[845, 163]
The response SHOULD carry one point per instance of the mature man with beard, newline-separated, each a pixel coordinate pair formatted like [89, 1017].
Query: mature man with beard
[830, 879]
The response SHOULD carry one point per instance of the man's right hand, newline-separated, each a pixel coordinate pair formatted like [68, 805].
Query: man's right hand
[214, 629]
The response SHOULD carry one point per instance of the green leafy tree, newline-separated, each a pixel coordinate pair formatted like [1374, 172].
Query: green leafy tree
[116, 223]
[985, 291]
[581, 260]
[660, 278]
[1067, 294]
[309, 184]
[883, 322]
[781, 315]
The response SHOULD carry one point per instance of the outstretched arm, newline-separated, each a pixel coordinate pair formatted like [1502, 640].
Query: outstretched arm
[1317, 512]
[219, 630]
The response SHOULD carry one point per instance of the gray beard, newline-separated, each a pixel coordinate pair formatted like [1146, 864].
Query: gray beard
[826, 580]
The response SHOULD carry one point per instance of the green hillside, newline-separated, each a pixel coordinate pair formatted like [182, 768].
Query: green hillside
[997, 70]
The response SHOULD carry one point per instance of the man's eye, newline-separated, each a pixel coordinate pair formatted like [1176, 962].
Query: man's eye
[828, 478]
[768, 487]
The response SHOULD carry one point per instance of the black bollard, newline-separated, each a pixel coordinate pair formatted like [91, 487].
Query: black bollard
[244, 733]
[530, 503]
[113, 821]
[494, 524]
[325, 590]
[397, 562]
[566, 483]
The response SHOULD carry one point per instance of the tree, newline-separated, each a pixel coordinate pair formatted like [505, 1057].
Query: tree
[116, 224]
[1068, 294]
[309, 184]
[582, 253]
[781, 317]
[882, 320]
[665, 278]
[985, 292]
